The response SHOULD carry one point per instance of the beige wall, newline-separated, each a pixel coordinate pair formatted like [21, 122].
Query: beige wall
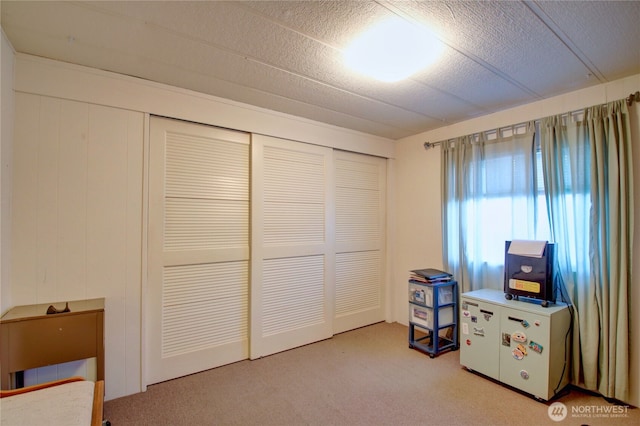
[77, 222]
[417, 188]
[6, 137]
[57, 79]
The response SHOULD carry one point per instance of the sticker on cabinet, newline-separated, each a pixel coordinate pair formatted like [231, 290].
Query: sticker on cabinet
[506, 339]
[478, 331]
[519, 336]
[537, 347]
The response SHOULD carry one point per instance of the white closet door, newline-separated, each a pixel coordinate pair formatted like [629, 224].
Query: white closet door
[197, 311]
[292, 245]
[360, 182]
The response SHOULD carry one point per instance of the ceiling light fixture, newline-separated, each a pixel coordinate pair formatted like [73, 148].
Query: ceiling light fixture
[393, 50]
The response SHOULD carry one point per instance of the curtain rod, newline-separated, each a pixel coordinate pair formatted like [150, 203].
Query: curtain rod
[630, 99]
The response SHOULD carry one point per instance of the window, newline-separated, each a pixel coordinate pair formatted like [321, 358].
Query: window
[507, 208]
[497, 194]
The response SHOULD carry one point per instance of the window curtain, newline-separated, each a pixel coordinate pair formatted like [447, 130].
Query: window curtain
[588, 168]
[491, 194]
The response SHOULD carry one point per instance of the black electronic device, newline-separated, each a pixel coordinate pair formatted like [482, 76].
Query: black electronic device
[530, 276]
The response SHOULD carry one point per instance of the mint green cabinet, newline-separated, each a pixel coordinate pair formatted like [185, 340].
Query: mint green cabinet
[519, 343]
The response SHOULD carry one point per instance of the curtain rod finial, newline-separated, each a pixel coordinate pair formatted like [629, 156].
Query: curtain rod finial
[428, 145]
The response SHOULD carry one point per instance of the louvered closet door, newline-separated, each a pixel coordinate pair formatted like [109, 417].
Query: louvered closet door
[360, 183]
[197, 310]
[292, 245]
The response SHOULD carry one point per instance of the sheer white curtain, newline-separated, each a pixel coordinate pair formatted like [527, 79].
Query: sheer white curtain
[492, 192]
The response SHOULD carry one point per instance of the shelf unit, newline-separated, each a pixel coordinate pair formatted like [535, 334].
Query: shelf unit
[433, 316]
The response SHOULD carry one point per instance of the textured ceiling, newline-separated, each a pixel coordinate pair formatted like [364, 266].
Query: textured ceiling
[286, 55]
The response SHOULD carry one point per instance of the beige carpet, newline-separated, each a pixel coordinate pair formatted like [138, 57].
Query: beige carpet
[367, 376]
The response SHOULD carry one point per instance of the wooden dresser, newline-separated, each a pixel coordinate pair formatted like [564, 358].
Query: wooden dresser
[30, 338]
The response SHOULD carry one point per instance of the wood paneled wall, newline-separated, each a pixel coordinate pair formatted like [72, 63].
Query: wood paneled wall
[77, 220]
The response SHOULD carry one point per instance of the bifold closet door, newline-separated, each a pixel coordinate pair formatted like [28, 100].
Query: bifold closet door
[360, 182]
[198, 248]
[292, 245]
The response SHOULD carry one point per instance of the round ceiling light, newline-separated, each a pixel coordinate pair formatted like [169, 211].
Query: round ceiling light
[393, 50]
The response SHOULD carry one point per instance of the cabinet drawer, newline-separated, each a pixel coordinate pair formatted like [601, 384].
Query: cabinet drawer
[53, 340]
[424, 317]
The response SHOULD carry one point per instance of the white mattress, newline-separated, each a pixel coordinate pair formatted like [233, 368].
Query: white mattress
[69, 404]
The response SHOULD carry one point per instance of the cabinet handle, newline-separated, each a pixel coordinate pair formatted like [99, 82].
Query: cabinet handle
[515, 319]
[471, 303]
[486, 312]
